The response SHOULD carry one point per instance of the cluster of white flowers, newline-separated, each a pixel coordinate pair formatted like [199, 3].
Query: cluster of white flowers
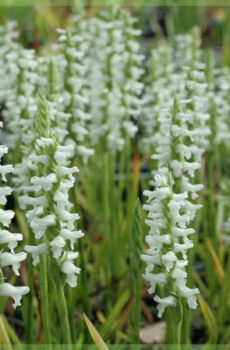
[114, 76]
[92, 82]
[44, 183]
[63, 79]
[221, 141]
[9, 258]
[194, 92]
[72, 73]
[79, 28]
[19, 67]
[187, 48]
[95, 95]
[177, 68]
[158, 91]
[8, 45]
[222, 99]
[170, 207]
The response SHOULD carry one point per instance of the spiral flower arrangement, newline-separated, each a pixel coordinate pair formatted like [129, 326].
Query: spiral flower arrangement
[9, 239]
[171, 209]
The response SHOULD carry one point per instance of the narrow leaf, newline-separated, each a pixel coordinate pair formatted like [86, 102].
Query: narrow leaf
[115, 313]
[215, 260]
[210, 320]
[4, 339]
[95, 335]
[12, 335]
[135, 260]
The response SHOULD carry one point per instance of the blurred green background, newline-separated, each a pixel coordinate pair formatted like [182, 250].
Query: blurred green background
[38, 24]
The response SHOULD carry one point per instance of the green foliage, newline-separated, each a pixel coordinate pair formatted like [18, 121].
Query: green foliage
[42, 118]
[136, 244]
[110, 289]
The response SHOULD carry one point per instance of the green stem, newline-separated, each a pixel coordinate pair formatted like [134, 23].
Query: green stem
[30, 308]
[112, 216]
[174, 318]
[185, 327]
[83, 275]
[224, 295]
[106, 209]
[134, 184]
[45, 299]
[63, 313]
[136, 265]
[121, 188]
[120, 211]
[85, 297]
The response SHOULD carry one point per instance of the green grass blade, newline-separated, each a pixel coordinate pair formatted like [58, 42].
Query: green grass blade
[135, 261]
